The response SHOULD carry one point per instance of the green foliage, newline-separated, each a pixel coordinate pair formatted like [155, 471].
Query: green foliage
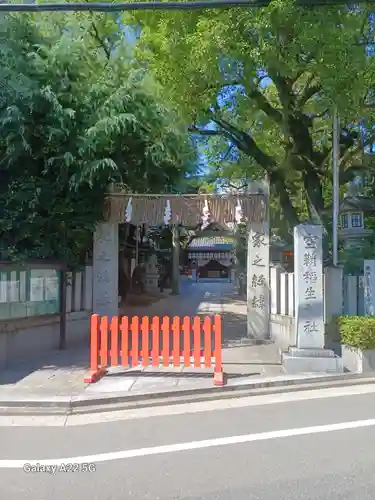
[266, 80]
[358, 332]
[76, 113]
[162, 237]
[353, 257]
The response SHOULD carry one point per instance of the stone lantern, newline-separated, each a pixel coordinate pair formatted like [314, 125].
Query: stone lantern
[353, 210]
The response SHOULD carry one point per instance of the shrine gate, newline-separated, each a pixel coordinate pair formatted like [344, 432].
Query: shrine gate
[189, 211]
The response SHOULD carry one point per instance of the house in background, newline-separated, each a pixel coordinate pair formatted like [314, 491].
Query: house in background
[353, 213]
[210, 252]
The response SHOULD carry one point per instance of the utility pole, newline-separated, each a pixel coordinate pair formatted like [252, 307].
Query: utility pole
[336, 185]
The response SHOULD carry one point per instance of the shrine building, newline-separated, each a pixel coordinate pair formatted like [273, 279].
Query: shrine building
[210, 253]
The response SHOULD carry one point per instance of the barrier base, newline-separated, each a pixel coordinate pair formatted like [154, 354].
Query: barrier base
[94, 376]
[219, 378]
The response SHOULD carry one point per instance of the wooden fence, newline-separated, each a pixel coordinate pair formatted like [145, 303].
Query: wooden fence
[283, 296]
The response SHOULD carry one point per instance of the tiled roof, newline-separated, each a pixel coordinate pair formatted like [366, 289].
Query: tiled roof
[357, 203]
[211, 243]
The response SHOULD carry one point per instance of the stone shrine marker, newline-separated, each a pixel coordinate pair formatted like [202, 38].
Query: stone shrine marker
[105, 264]
[308, 266]
[309, 355]
[369, 287]
[258, 281]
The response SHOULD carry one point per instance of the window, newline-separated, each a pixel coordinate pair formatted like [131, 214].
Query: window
[344, 222]
[357, 220]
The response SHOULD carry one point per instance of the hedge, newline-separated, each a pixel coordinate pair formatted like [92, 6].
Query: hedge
[357, 332]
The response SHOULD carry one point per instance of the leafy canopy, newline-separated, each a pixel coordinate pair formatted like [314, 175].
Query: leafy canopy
[76, 113]
[260, 85]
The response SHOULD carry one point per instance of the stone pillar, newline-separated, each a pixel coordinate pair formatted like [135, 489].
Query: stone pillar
[291, 295]
[308, 265]
[105, 270]
[309, 355]
[284, 294]
[275, 289]
[333, 305]
[258, 269]
[175, 260]
[152, 274]
[369, 287]
[351, 295]
[88, 289]
[333, 292]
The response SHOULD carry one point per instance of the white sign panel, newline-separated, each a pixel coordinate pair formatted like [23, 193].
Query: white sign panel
[51, 284]
[3, 289]
[36, 289]
[13, 291]
[308, 266]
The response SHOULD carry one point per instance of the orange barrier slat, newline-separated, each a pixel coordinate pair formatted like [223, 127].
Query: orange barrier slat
[114, 340]
[166, 327]
[171, 354]
[197, 341]
[217, 328]
[155, 327]
[207, 328]
[124, 341]
[94, 342]
[135, 333]
[102, 333]
[145, 331]
[104, 341]
[176, 327]
[186, 328]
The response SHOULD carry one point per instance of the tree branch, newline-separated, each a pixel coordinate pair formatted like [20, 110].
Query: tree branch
[247, 144]
[233, 186]
[308, 92]
[265, 106]
[101, 41]
[230, 149]
[284, 89]
[210, 133]
[349, 153]
[319, 115]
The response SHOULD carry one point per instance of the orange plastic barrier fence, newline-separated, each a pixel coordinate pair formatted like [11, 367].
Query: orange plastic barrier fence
[155, 342]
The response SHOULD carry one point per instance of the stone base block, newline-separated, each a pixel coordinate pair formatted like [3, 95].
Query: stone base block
[357, 361]
[299, 360]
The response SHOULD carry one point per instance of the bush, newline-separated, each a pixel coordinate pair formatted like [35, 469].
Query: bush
[357, 332]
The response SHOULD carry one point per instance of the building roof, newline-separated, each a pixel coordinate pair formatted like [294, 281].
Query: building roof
[357, 203]
[214, 264]
[211, 243]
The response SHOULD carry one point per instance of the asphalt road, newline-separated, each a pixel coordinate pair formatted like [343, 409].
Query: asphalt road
[309, 449]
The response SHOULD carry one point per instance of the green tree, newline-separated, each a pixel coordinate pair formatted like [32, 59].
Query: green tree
[260, 85]
[76, 113]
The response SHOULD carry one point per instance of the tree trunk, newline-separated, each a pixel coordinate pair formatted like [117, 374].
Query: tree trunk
[175, 260]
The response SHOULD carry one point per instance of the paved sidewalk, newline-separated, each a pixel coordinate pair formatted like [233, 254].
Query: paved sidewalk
[61, 373]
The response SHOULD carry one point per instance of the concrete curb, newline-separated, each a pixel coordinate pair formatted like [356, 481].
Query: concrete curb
[12, 405]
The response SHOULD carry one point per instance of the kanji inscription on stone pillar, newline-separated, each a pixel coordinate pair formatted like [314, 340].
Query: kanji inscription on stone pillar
[258, 263]
[308, 267]
[369, 287]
